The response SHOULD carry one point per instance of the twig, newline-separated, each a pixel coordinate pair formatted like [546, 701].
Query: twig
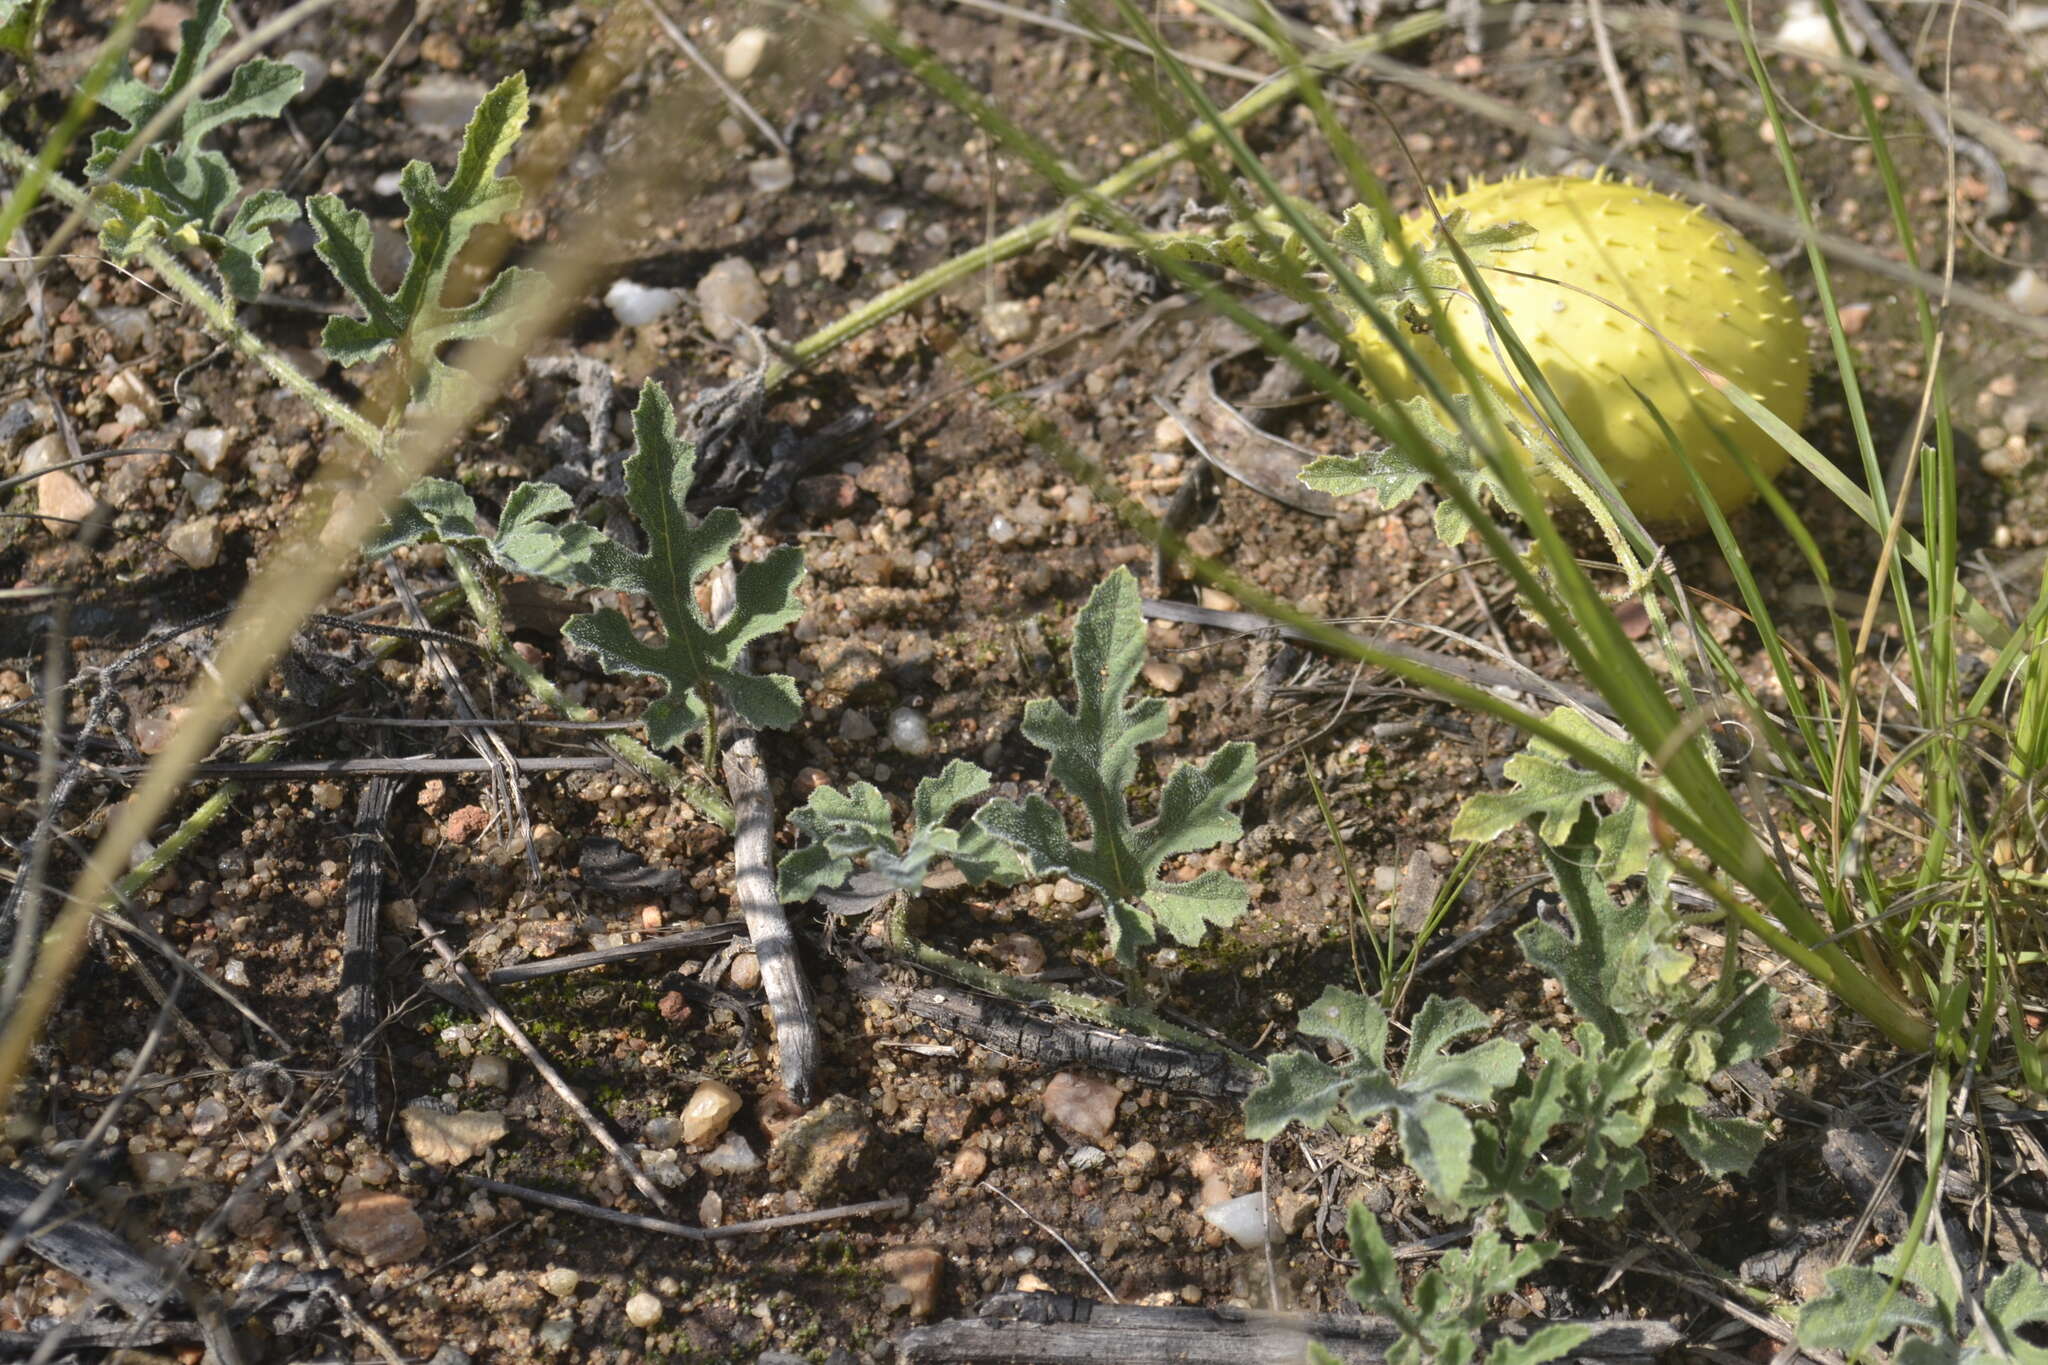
[22, 1224]
[1065, 1245]
[1059, 1329]
[684, 1230]
[753, 855]
[1046, 227]
[1525, 681]
[725, 87]
[489, 744]
[391, 767]
[74, 1243]
[604, 957]
[1998, 191]
[1603, 43]
[489, 1008]
[361, 895]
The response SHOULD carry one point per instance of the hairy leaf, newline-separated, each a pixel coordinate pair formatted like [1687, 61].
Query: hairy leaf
[1569, 1138]
[1436, 1135]
[694, 658]
[1445, 1318]
[1551, 791]
[856, 825]
[1862, 1309]
[20, 20]
[1095, 759]
[439, 221]
[179, 191]
[1393, 474]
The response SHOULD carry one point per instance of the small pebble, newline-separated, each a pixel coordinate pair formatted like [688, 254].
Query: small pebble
[490, 1072]
[854, 727]
[206, 494]
[442, 1139]
[732, 1156]
[312, 66]
[743, 53]
[868, 242]
[662, 1132]
[1165, 675]
[1246, 1220]
[328, 795]
[382, 1228]
[643, 1310]
[207, 1117]
[745, 972]
[636, 305]
[2028, 293]
[158, 1169]
[441, 103]
[771, 175]
[1021, 954]
[908, 732]
[1081, 1104]
[560, 1281]
[868, 166]
[1853, 316]
[730, 294]
[710, 1110]
[197, 542]
[1008, 321]
[917, 1272]
[1806, 30]
[127, 389]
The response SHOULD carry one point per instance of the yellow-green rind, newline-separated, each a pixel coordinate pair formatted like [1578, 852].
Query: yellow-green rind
[1645, 266]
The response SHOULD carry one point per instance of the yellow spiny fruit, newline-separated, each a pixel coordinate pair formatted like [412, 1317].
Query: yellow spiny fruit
[1638, 261]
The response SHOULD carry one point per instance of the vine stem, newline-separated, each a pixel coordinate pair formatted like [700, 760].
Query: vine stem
[1102, 1013]
[218, 312]
[483, 604]
[220, 315]
[1048, 226]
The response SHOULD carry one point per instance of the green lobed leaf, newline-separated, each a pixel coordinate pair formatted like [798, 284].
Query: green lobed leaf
[178, 193]
[1443, 1319]
[1436, 1135]
[1094, 751]
[432, 511]
[842, 828]
[440, 219]
[1551, 790]
[560, 552]
[692, 659]
[20, 21]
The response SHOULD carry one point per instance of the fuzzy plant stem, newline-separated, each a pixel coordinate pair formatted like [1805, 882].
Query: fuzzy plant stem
[1049, 226]
[196, 824]
[1103, 1014]
[483, 604]
[219, 314]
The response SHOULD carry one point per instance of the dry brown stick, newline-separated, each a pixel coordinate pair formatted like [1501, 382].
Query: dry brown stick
[709, 935]
[362, 895]
[287, 769]
[1058, 1329]
[753, 856]
[489, 744]
[483, 1003]
[636, 1220]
